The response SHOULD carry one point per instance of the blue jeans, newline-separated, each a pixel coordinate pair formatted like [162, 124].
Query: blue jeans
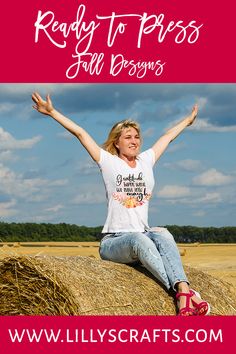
[156, 250]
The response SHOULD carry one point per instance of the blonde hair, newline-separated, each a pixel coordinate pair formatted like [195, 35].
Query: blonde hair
[115, 134]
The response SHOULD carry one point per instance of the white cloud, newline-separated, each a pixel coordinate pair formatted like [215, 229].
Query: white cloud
[6, 208]
[55, 208]
[187, 165]
[204, 125]
[173, 194]
[212, 177]
[65, 135]
[202, 102]
[34, 189]
[174, 191]
[7, 155]
[39, 197]
[57, 182]
[148, 133]
[88, 167]
[13, 184]
[212, 198]
[203, 198]
[8, 142]
[6, 107]
[175, 147]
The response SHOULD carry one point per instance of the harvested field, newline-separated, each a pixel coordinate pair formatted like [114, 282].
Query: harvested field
[218, 260]
[47, 285]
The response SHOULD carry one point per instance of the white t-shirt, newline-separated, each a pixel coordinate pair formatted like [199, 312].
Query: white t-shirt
[128, 191]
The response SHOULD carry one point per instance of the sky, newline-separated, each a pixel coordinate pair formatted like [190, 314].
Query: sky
[47, 176]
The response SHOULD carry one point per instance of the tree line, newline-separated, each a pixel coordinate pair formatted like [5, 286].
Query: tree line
[45, 232]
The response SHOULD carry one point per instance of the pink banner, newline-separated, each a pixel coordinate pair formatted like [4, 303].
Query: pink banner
[116, 334]
[70, 41]
[118, 41]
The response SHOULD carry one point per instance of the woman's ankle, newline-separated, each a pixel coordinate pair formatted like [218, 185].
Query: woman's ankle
[182, 287]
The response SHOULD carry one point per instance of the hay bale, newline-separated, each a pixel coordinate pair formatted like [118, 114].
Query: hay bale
[86, 286]
[16, 244]
[196, 244]
[183, 252]
[5, 246]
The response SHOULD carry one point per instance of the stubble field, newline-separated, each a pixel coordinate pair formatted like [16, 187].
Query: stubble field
[218, 260]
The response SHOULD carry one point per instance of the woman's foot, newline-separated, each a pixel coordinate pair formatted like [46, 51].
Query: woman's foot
[185, 305]
[190, 302]
[184, 300]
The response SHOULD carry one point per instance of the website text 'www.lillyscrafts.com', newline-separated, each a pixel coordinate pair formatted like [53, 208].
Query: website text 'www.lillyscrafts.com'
[113, 335]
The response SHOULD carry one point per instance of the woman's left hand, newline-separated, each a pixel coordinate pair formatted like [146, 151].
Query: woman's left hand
[41, 105]
[193, 115]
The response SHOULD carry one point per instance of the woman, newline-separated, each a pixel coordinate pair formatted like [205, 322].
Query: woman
[129, 181]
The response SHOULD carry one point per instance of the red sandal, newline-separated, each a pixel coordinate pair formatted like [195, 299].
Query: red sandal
[187, 308]
[203, 308]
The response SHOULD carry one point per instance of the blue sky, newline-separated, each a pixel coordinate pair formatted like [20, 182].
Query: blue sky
[46, 176]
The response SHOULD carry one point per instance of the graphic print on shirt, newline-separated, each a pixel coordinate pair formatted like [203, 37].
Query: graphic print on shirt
[131, 190]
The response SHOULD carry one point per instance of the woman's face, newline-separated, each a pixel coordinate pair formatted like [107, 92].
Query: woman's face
[129, 142]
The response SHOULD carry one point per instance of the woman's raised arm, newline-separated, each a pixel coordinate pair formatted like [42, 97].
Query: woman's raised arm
[162, 143]
[46, 107]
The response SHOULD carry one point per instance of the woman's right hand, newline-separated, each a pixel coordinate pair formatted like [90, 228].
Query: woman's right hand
[46, 107]
[42, 106]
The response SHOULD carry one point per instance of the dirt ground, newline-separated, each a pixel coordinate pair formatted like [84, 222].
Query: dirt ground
[218, 260]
